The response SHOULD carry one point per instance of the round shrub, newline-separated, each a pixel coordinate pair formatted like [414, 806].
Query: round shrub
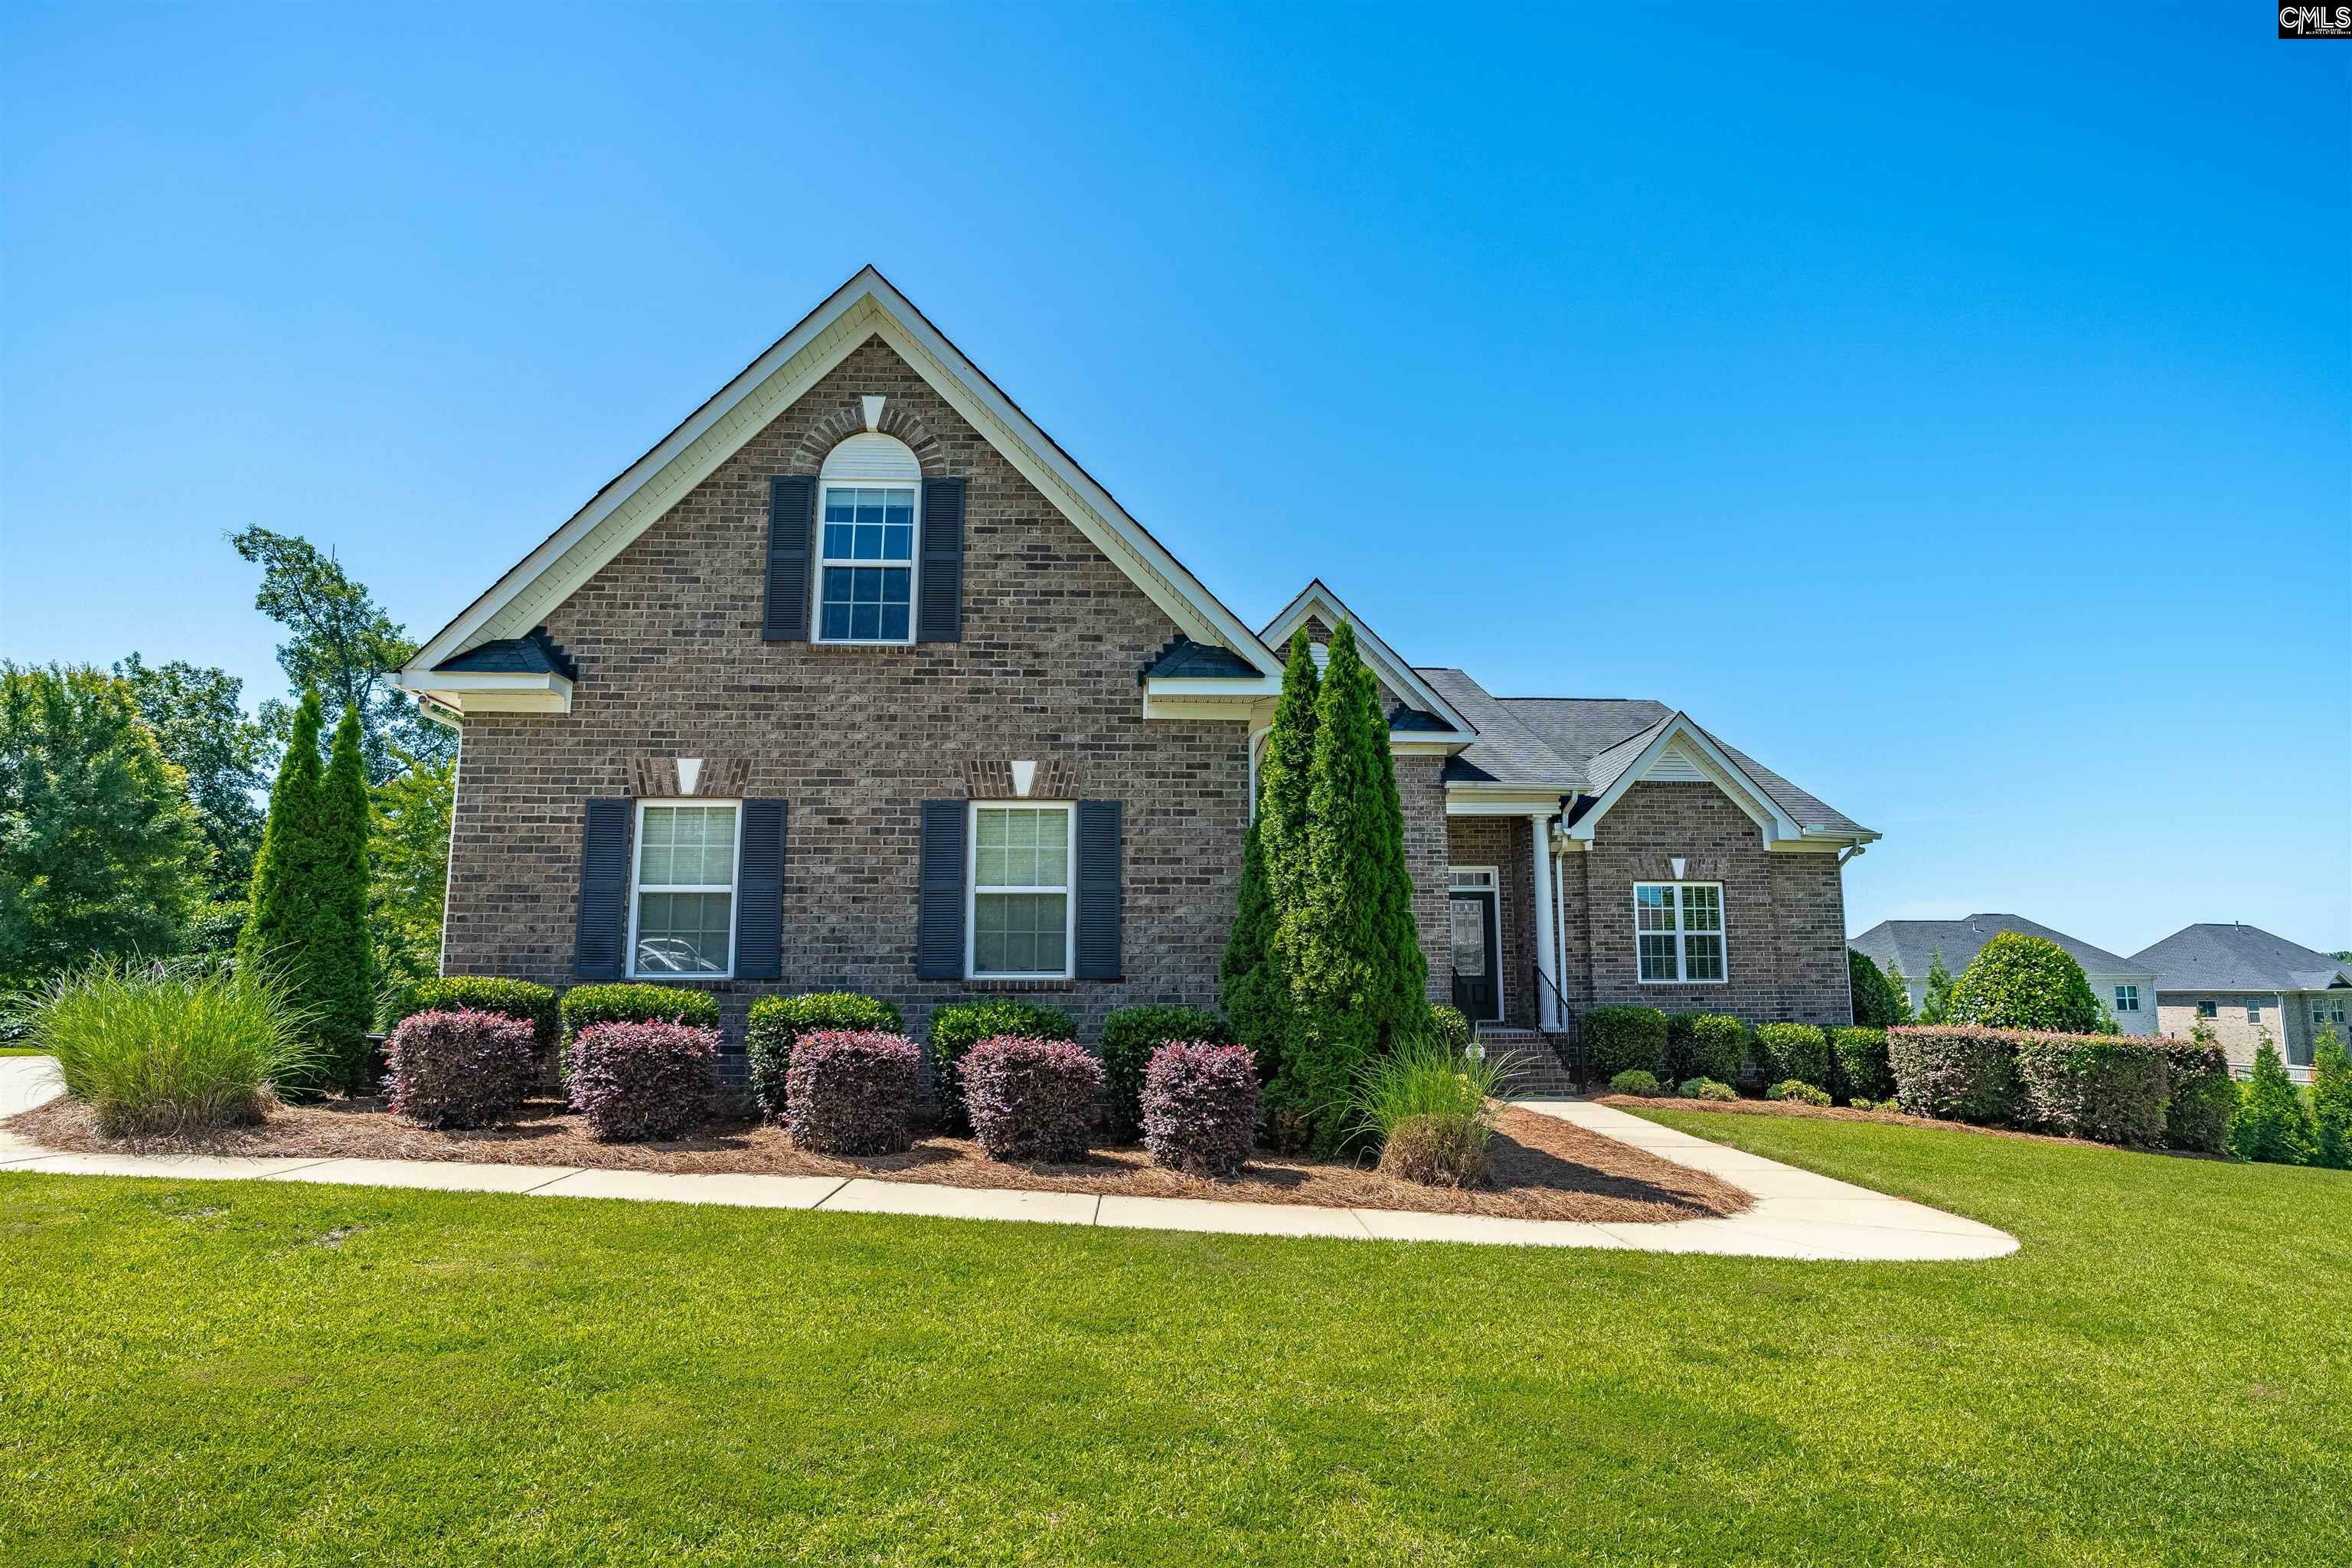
[1797, 1089]
[1031, 1099]
[1718, 1045]
[1437, 1151]
[777, 1021]
[1130, 1038]
[1862, 1062]
[853, 1091]
[1955, 1074]
[637, 1081]
[2018, 981]
[585, 1007]
[1778, 1051]
[455, 1068]
[534, 1004]
[1634, 1081]
[1200, 1107]
[960, 1026]
[1450, 1025]
[1622, 1039]
[1707, 1089]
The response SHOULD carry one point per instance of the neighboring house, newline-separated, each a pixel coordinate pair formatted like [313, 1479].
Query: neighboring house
[2126, 986]
[2242, 981]
[857, 680]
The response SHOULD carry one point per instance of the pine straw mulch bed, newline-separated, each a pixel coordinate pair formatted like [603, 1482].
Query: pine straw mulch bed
[1848, 1113]
[1539, 1167]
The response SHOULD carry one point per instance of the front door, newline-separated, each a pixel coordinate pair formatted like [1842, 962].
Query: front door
[1476, 926]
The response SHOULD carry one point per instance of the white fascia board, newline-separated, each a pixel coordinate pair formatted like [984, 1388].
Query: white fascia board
[1500, 800]
[1428, 744]
[488, 691]
[1778, 829]
[866, 304]
[1316, 596]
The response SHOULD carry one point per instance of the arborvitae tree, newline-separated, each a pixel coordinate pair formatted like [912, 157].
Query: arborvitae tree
[1876, 1003]
[1255, 994]
[342, 966]
[1358, 975]
[2331, 1101]
[1935, 1005]
[1280, 835]
[2273, 1124]
[1899, 985]
[287, 871]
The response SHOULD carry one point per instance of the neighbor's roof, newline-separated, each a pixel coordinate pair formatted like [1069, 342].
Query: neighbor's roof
[2238, 958]
[1914, 944]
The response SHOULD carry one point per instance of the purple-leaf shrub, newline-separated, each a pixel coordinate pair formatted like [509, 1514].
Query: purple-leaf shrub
[1957, 1072]
[850, 1091]
[2111, 1087]
[1031, 1099]
[460, 1068]
[1199, 1107]
[636, 1081]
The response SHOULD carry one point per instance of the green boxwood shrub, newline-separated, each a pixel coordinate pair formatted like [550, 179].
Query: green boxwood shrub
[2018, 981]
[1861, 1063]
[1679, 1026]
[777, 1022]
[1779, 1051]
[1707, 1089]
[1625, 1039]
[1719, 1045]
[1955, 1072]
[1799, 1090]
[2108, 1088]
[960, 1026]
[517, 999]
[1129, 1035]
[637, 1003]
[1633, 1081]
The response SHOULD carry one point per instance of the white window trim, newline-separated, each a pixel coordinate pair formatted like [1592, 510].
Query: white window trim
[914, 566]
[1682, 964]
[734, 889]
[1069, 889]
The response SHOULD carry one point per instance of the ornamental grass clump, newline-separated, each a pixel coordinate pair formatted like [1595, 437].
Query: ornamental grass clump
[457, 1069]
[853, 1091]
[1432, 1110]
[633, 1082]
[170, 1050]
[1031, 1099]
[1131, 1037]
[777, 1022]
[1200, 1107]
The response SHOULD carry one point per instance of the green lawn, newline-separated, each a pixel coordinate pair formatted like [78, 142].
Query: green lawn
[205, 1373]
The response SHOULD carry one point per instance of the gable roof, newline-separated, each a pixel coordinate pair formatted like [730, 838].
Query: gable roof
[1316, 600]
[1914, 944]
[2218, 957]
[536, 654]
[1184, 659]
[866, 306]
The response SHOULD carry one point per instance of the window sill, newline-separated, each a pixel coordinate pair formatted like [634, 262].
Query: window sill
[1043, 982]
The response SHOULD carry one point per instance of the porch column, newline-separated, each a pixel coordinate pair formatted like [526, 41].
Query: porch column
[1546, 932]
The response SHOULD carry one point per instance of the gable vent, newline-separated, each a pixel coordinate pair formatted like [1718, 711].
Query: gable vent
[1677, 764]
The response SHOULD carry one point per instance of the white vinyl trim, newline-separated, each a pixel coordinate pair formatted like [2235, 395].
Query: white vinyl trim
[1682, 933]
[1069, 889]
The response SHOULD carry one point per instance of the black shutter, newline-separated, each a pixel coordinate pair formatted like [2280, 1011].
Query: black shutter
[1098, 891]
[759, 893]
[938, 913]
[792, 509]
[940, 617]
[603, 932]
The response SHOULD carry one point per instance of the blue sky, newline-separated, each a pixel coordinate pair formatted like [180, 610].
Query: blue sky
[1950, 406]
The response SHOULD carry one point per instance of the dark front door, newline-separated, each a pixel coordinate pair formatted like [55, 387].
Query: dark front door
[1478, 944]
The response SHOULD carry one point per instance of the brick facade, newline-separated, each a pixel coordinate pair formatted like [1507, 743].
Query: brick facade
[668, 641]
[1507, 844]
[2285, 1017]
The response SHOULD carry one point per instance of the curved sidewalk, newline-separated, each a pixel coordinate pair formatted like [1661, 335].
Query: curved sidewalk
[1797, 1213]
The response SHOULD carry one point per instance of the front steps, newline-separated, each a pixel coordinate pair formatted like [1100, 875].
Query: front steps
[1530, 1063]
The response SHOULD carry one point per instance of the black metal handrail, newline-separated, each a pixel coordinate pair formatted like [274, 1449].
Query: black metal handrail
[1567, 1040]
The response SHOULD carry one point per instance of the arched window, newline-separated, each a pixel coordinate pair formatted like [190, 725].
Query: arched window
[869, 505]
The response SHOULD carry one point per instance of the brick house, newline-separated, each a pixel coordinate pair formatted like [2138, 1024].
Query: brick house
[2245, 982]
[856, 680]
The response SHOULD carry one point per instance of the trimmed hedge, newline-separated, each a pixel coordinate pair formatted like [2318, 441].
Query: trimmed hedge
[1624, 1039]
[777, 1021]
[460, 1068]
[960, 1026]
[1955, 1072]
[534, 1004]
[1862, 1062]
[1130, 1038]
[2203, 1094]
[637, 1003]
[1031, 1099]
[636, 1081]
[1679, 1028]
[1799, 1090]
[1779, 1051]
[1633, 1081]
[2108, 1088]
[852, 1091]
[1199, 1107]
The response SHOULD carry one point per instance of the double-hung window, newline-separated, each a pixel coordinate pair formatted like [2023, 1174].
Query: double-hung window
[1020, 883]
[866, 576]
[2127, 999]
[682, 906]
[1678, 933]
[2208, 1009]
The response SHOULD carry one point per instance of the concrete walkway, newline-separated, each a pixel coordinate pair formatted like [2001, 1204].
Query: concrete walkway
[1797, 1213]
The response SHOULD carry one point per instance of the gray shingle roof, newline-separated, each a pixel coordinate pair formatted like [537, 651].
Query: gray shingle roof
[1505, 752]
[2238, 958]
[1914, 943]
[536, 654]
[1185, 657]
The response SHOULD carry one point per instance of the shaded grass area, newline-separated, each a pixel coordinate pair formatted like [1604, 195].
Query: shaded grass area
[215, 1373]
